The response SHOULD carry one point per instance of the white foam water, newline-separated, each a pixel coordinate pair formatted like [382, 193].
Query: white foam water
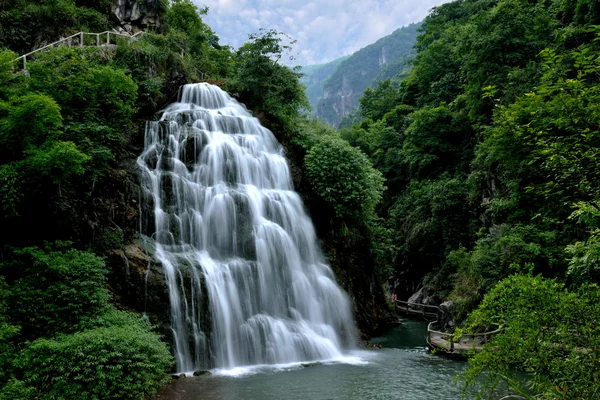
[246, 280]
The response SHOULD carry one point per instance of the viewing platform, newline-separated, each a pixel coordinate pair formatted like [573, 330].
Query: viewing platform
[444, 342]
[463, 346]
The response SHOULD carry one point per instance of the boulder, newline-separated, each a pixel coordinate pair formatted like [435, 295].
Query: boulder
[416, 297]
[425, 296]
[446, 315]
[202, 372]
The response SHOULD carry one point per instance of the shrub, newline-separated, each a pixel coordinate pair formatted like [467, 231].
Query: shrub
[344, 177]
[8, 333]
[16, 389]
[120, 361]
[548, 332]
[55, 290]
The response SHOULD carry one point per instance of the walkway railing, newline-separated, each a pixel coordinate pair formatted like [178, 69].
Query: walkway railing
[423, 310]
[79, 40]
[444, 341]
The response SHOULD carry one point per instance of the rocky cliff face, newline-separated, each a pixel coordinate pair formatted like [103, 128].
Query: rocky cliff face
[383, 59]
[137, 14]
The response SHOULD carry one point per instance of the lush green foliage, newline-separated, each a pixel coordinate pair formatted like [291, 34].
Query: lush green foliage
[27, 24]
[53, 290]
[489, 149]
[264, 84]
[109, 354]
[8, 333]
[548, 333]
[121, 360]
[344, 178]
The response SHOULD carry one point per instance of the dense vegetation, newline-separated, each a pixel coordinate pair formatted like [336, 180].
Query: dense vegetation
[489, 149]
[69, 131]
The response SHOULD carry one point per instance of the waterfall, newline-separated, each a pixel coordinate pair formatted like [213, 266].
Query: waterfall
[246, 279]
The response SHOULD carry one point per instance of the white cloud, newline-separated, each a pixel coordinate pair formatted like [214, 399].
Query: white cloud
[324, 29]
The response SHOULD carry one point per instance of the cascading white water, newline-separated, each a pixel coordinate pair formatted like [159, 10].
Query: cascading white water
[246, 280]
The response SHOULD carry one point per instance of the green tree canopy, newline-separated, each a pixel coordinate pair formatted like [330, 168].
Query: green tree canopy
[344, 177]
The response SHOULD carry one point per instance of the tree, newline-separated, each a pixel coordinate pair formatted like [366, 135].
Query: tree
[344, 178]
[262, 83]
[375, 103]
[547, 332]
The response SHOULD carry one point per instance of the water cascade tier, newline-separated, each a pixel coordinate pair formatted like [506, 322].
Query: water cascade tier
[246, 279]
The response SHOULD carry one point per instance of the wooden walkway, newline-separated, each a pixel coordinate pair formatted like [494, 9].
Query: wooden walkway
[427, 312]
[444, 342]
[464, 345]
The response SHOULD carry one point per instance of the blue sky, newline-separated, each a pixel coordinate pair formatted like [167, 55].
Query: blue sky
[324, 29]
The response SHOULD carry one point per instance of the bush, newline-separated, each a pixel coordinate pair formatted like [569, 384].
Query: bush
[344, 177]
[503, 251]
[29, 122]
[548, 332]
[53, 290]
[120, 361]
[85, 89]
[8, 333]
[16, 389]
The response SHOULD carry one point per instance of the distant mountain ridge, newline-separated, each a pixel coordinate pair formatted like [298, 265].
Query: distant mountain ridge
[314, 77]
[334, 88]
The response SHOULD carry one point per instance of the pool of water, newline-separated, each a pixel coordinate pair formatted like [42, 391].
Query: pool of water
[402, 369]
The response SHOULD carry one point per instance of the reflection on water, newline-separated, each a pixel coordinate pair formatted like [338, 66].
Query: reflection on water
[402, 369]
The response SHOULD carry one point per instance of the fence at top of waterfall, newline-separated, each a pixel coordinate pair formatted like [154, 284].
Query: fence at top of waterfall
[79, 40]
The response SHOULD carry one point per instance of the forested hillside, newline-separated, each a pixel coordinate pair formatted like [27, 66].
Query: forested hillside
[489, 149]
[314, 78]
[339, 88]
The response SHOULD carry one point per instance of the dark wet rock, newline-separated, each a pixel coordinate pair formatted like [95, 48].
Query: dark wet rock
[202, 372]
[446, 316]
[417, 297]
[134, 14]
[425, 296]
[138, 282]
[312, 364]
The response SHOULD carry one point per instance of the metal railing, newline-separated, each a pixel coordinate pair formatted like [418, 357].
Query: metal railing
[465, 341]
[424, 310]
[98, 39]
[78, 39]
[445, 340]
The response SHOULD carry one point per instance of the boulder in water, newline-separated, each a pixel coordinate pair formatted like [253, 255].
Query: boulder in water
[202, 372]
